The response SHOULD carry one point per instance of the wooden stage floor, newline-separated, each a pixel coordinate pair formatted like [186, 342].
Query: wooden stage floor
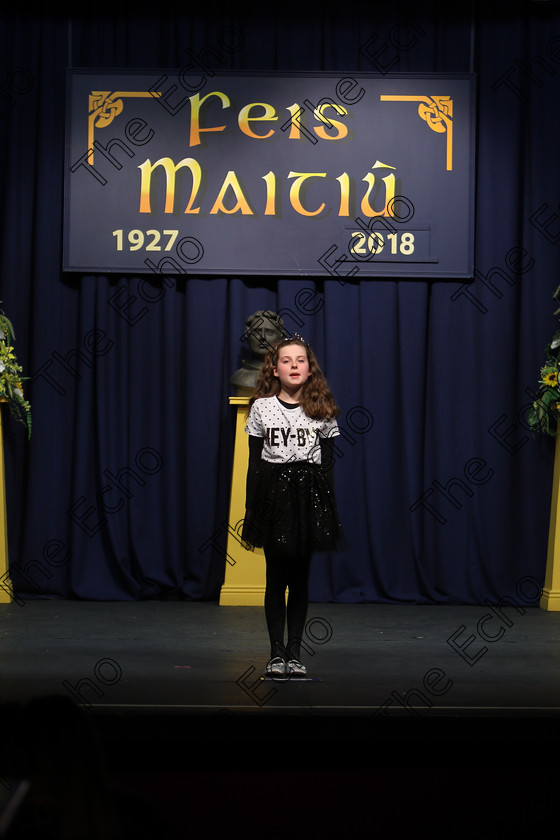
[370, 666]
[413, 715]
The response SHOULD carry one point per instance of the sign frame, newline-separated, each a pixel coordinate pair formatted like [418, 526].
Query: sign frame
[216, 239]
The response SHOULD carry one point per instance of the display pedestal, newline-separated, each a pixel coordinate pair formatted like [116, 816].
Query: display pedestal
[5, 586]
[550, 599]
[245, 576]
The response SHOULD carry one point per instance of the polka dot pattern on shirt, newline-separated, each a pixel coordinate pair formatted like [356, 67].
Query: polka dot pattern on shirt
[289, 434]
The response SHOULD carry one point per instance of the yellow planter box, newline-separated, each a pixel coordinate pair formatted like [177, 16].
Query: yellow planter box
[4, 590]
[245, 577]
[550, 599]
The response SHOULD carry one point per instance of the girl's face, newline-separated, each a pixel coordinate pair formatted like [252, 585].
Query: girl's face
[292, 368]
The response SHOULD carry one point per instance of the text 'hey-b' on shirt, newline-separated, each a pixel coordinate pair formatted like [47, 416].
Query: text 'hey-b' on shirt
[289, 434]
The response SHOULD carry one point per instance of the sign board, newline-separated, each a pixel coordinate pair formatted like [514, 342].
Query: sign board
[269, 174]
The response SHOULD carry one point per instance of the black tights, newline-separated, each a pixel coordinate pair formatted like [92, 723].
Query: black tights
[282, 572]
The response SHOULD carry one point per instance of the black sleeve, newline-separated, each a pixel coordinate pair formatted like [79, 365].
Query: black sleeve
[327, 460]
[255, 451]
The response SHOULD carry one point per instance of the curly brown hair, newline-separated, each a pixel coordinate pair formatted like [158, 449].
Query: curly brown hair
[316, 399]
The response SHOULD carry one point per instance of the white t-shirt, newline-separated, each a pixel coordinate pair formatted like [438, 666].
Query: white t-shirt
[289, 434]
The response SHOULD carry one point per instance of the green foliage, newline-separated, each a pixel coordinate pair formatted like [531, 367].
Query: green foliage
[543, 415]
[11, 387]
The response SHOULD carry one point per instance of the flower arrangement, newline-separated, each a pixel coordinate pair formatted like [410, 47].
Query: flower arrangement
[543, 414]
[11, 388]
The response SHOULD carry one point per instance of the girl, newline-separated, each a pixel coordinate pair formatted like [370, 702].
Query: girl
[290, 505]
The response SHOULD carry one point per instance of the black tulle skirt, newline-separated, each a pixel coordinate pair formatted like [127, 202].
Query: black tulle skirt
[294, 511]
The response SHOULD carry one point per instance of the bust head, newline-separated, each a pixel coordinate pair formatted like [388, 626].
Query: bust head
[263, 329]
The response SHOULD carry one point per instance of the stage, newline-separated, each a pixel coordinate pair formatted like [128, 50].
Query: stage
[369, 665]
[401, 704]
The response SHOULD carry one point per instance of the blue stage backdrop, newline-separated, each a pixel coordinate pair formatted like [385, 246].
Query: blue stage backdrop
[122, 492]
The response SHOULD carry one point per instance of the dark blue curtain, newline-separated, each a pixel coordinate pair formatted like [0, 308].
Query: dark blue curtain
[444, 494]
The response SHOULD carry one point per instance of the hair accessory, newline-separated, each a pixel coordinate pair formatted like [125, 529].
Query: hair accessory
[286, 340]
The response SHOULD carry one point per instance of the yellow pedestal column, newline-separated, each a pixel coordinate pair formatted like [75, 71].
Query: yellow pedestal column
[550, 599]
[244, 582]
[5, 586]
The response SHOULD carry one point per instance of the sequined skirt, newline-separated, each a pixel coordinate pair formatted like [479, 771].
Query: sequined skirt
[295, 511]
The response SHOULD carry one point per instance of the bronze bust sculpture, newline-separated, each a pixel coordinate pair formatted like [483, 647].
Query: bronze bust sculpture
[263, 329]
